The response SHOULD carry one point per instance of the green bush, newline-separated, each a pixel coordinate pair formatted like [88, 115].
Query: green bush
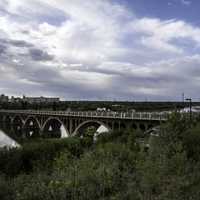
[34, 155]
[113, 168]
[191, 142]
[6, 189]
[102, 172]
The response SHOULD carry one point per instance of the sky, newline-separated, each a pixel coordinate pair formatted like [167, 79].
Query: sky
[100, 49]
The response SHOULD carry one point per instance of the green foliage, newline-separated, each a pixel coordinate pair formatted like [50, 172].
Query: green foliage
[38, 154]
[116, 167]
[170, 169]
[104, 172]
[6, 190]
[93, 105]
[191, 142]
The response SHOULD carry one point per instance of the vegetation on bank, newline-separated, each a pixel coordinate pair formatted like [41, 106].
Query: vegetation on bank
[116, 167]
[93, 105]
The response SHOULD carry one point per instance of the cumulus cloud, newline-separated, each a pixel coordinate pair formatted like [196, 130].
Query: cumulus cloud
[94, 49]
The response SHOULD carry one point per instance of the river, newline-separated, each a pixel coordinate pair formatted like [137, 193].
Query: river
[8, 142]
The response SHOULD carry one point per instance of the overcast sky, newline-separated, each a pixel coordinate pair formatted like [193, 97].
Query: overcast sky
[100, 49]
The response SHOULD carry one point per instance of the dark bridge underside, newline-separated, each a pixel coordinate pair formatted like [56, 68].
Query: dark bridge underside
[52, 128]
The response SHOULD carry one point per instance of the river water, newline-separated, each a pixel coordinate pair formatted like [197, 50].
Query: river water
[8, 142]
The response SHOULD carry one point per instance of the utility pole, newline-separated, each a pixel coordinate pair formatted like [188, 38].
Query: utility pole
[183, 97]
[190, 105]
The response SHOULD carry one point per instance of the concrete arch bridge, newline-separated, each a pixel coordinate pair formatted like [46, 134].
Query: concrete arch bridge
[35, 123]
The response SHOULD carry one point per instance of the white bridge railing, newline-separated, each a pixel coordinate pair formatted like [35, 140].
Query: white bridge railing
[95, 114]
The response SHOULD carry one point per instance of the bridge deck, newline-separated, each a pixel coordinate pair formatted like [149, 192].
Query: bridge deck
[152, 116]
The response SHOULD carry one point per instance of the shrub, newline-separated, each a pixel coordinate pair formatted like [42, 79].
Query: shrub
[36, 155]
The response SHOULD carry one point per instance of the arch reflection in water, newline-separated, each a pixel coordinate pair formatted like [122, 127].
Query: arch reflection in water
[18, 126]
[64, 133]
[32, 127]
[6, 141]
[89, 128]
[99, 131]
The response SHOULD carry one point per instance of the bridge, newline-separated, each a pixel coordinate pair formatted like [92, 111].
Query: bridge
[49, 123]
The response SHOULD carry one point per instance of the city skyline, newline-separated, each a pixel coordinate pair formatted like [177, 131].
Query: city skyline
[100, 50]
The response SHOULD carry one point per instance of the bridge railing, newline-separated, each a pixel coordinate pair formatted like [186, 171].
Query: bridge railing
[96, 114]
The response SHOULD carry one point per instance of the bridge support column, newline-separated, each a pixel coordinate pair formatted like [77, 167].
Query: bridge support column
[112, 126]
[70, 126]
[40, 132]
[128, 126]
[119, 125]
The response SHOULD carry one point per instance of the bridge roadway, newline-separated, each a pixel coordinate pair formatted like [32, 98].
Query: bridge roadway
[75, 122]
[94, 114]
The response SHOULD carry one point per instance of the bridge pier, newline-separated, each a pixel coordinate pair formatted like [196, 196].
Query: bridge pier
[70, 126]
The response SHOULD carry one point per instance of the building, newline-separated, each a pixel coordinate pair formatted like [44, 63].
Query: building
[4, 99]
[15, 99]
[101, 109]
[195, 109]
[37, 100]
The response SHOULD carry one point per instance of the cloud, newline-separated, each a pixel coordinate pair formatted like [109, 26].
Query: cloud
[161, 34]
[39, 55]
[95, 50]
[20, 43]
[186, 3]
[2, 49]
[170, 4]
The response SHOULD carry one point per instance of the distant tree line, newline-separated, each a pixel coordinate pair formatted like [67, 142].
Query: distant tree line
[93, 105]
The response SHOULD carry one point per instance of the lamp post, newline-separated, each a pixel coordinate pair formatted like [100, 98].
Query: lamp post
[190, 105]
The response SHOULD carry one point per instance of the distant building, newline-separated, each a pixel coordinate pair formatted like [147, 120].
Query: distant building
[15, 99]
[195, 109]
[101, 109]
[116, 105]
[4, 99]
[36, 100]
[68, 109]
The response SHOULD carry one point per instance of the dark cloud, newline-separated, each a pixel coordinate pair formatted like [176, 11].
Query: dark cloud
[40, 55]
[2, 49]
[15, 43]
[20, 43]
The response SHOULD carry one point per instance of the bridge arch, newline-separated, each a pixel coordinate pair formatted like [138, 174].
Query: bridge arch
[32, 118]
[87, 123]
[8, 120]
[18, 118]
[142, 126]
[150, 126]
[17, 124]
[122, 126]
[53, 127]
[32, 126]
[134, 126]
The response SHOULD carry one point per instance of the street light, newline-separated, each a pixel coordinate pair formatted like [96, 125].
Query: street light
[190, 105]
